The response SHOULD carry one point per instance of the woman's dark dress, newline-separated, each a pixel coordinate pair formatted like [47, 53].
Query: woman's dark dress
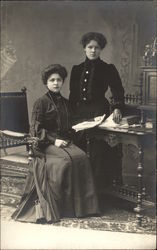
[89, 82]
[60, 180]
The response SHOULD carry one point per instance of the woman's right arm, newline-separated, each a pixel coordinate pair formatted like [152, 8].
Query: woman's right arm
[37, 123]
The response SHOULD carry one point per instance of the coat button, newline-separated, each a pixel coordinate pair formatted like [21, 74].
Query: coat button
[84, 89]
[87, 72]
[85, 80]
[84, 98]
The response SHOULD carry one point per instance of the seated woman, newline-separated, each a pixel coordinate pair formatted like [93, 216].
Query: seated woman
[59, 183]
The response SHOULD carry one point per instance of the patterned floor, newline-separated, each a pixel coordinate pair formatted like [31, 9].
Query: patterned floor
[116, 216]
[115, 220]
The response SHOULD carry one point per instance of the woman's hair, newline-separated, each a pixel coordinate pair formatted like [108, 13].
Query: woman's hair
[100, 38]
[54, 69]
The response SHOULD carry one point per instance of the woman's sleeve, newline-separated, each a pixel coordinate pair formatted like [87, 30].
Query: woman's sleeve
[37, 124]
[72, 95]
[116, 88]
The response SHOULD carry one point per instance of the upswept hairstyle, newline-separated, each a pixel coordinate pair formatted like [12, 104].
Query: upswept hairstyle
[54, 69]
[100, 38]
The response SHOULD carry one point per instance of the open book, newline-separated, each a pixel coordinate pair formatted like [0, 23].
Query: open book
[126, 122]
[89, 124]
[108, 123]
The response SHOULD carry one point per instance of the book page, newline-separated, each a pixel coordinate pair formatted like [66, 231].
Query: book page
[89, 124]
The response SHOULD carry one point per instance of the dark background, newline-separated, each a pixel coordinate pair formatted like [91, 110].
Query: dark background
[46, 32]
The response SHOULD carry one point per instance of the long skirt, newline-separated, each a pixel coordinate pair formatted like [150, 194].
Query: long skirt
[59, 184]
[106, 161]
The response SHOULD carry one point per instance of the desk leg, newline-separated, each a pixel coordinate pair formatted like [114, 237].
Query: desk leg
[139, 208]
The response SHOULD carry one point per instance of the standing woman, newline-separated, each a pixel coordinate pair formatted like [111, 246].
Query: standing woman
[88, 83]
[60, 180]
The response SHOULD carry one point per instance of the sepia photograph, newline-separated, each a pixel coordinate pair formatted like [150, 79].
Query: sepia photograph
[78, 124]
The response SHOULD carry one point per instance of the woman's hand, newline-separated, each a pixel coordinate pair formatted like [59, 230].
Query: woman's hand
[60, 143]
[117, 115]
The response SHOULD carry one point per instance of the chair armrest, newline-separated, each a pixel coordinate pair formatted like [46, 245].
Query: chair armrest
[32, 142]
[12, 139]
[12, 134]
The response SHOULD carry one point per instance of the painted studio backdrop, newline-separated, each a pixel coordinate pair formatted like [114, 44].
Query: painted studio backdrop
[38, 33]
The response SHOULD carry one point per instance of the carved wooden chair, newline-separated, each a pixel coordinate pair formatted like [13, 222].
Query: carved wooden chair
[14, 129]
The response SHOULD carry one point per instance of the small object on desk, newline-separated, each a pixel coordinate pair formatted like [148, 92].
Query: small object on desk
[135, 126]
[149, 125]
[130, 119]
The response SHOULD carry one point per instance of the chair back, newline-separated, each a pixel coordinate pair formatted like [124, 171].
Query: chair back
[14, 111]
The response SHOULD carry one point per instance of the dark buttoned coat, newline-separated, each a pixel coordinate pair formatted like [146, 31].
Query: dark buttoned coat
[89, 82]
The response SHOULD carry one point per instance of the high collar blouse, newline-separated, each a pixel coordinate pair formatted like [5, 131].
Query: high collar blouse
[50, 118]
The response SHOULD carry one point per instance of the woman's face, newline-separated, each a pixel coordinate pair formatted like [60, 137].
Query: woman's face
[54, 83]
[92, 50]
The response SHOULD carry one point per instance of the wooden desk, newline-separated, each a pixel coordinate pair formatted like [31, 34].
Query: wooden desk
[139, 137]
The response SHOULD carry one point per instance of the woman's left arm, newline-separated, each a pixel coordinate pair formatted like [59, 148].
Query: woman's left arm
[117, 91]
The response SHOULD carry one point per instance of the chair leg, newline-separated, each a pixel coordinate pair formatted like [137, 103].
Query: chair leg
[5, 151]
